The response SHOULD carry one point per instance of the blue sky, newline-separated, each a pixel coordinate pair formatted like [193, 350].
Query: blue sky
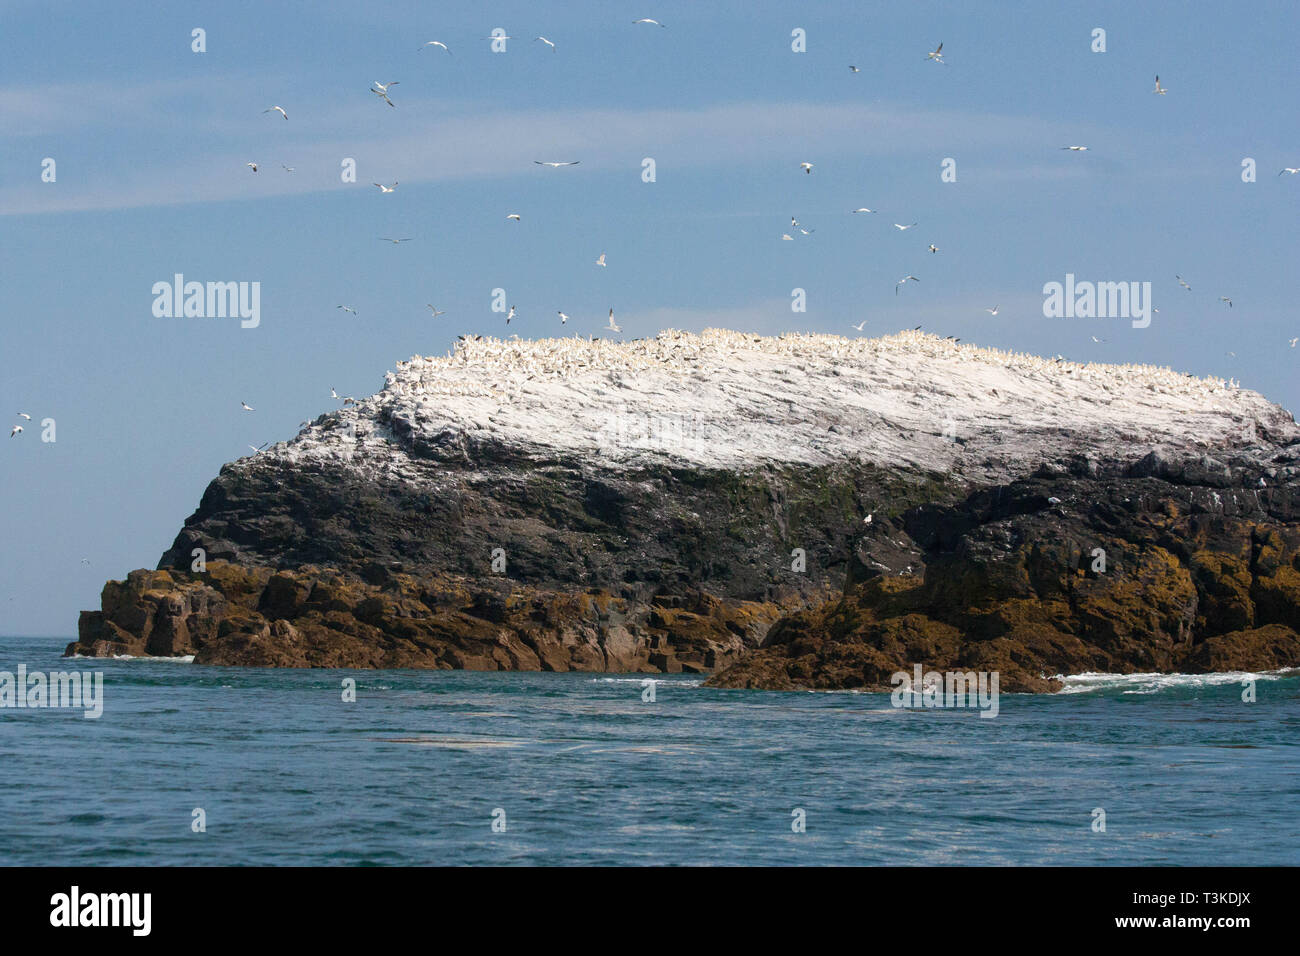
[151, 141]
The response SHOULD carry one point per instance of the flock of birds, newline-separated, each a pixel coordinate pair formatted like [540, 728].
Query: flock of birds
[383, 92]
[489, 366]
[18, 429]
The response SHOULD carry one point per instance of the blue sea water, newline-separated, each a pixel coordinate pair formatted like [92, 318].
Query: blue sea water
[587, 772]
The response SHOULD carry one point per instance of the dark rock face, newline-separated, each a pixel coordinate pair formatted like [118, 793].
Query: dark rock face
[664, 570]
[1056, 575]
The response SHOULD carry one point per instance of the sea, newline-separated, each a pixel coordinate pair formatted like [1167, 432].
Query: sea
[194, 765]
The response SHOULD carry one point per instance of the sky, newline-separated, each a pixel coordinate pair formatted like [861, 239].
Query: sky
[150, 140]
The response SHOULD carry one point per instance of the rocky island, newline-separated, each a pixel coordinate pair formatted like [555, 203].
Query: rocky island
[793, 512]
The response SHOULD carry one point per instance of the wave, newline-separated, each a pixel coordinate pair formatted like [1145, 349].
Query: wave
[640, 681]
[180, 659]
[1152, 683]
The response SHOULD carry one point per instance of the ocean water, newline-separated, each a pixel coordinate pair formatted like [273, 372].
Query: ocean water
[587, 772]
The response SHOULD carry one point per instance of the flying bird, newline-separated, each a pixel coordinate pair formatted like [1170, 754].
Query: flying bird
[853, 69]
[1077, 149]
[246, 407]
[1294, 341]
[18, 430]
[859, 325]
[1290, 169]
[901, 227]
[544, 40]
[647, 20]
[252, 166]
[386, 189]
[511, 315]
[393, 241]
[434, 43]
[556, 165]
[806, 167]
[612, 327]
[515, 216]
[437, 312]
[287, 169]
[1159, 89]
[24, 415]
[937, 55]
[277, 109]
[381, 90]
[1097, 340]
[992, 311]
[864, 209]
[1183, 284]
[563, 318]
[601, 261]
[787, 236]
[1224, 298]
[933, 247]
[346, 308]
[257, 448]
[902, 281]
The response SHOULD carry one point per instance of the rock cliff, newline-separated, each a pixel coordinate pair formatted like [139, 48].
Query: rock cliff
[700, 503]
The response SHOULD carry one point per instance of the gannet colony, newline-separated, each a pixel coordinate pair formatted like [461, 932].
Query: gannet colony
[801, 511]
[726, 399]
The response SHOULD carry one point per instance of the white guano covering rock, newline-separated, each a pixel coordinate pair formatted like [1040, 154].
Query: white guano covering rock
[735, 400]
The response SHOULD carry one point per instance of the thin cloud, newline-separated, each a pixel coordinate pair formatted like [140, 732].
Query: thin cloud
[471, 145]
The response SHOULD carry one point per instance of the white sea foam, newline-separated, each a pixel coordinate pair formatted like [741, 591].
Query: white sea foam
[640, 681]
[180, 659]
[1155, 683]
